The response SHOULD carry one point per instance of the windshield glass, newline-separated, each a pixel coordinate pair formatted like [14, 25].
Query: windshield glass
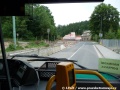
[86, 32]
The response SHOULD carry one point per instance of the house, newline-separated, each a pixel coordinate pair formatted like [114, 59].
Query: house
[86, 36]
[71, 36]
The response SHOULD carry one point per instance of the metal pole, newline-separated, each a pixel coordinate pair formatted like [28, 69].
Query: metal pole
[54, 38]
[48, 31]
[14, 31]
[101, 27]
[100, 34]
[48, 37]
[4, 58]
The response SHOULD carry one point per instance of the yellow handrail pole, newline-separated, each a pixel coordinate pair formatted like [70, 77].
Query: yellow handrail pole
[95, 73]
[50, 82]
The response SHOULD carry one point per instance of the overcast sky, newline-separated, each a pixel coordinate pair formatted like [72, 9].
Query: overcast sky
[75, 12]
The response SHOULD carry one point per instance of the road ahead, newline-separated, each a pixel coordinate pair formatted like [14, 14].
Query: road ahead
[84, 52]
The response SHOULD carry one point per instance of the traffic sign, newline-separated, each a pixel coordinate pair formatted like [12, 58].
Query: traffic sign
[48, 30]
[100, 34]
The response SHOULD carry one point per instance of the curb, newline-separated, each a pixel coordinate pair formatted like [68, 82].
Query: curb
[99, 51]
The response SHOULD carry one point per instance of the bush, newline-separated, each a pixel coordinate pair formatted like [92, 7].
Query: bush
[32, 44]
[118, 34]
[37, 44]
[95, 37]
[110, 35]
[47, 45]
[12, 48]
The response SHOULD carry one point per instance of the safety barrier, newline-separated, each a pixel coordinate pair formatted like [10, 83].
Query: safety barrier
[113, 44]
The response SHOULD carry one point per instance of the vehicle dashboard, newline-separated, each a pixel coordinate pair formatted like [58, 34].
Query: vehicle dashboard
[25, 76]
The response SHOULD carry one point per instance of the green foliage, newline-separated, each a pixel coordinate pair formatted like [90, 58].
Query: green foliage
[110, 35]
[103, 18]
[118, 34]
[95, 37]
[7, 26]
[11, 47]
[21, 28]
[41, 21]
[58, 37]
[78, 28]
[33, 26]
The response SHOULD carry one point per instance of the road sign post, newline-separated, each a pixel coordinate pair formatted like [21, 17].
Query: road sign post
[100, 35]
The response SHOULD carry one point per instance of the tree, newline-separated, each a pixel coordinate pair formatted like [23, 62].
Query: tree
[110, 35]
[103, 18]
[7, 27]
[21, 28]
[33, 26]
[77, 27]
[42, 20]
[118, 34]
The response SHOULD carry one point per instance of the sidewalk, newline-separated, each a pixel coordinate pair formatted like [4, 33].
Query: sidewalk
[107, 53]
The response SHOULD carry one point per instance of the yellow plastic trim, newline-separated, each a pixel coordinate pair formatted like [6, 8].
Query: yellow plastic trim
[50, 82]
[97, 74]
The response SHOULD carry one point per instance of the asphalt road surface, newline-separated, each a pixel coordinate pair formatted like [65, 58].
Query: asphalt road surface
[84, 52]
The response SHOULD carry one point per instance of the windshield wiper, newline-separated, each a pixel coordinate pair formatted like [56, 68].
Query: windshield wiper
[80, 65]
[42, 58]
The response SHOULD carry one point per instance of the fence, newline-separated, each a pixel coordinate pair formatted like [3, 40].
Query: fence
[113, 44]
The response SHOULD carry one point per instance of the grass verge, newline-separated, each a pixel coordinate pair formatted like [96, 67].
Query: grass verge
[36, 44]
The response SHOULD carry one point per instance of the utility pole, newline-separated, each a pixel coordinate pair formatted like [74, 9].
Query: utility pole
[101, 28]
[14, 31]
[48, 31]
[100, 34]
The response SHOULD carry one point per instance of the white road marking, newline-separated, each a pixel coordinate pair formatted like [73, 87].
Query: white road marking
[99, 55]
[76, 51]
